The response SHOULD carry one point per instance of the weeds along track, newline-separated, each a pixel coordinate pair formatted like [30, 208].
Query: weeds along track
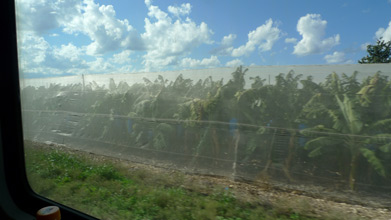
[312, 200]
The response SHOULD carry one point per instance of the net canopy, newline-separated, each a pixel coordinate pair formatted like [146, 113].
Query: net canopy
[329, 130]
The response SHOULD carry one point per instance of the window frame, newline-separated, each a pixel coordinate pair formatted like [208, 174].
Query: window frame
[17, 200]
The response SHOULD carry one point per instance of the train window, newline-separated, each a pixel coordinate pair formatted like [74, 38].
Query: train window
[208, 109]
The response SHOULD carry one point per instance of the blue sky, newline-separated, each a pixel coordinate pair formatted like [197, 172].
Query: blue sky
[57, 37]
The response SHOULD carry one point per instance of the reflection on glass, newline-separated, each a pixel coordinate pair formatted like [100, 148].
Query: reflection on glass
[183, 111]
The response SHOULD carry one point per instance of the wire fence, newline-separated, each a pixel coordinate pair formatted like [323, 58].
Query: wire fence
[268, 162]
[330, 135]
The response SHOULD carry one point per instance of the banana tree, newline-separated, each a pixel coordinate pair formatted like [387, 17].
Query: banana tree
[350, 132]
[283, 105]
[218, 107]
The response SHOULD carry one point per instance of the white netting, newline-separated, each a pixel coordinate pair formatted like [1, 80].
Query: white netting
[334, 133]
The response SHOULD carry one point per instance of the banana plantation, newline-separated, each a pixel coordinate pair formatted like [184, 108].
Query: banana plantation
[336, 133]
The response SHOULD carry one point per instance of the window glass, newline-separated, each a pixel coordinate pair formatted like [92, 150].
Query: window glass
[208, 109]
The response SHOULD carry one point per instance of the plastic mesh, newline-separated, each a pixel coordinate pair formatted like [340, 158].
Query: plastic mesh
[333, 133]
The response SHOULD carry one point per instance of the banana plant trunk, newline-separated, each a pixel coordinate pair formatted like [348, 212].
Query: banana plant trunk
[291, 152]
[269, 154]
[352, 174]
[216, 149]
[186, 147]
[236, 140]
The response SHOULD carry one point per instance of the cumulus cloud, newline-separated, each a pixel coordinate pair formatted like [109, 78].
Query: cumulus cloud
[228, 40]
[263, 37]
[37, 57]
[385, 34]
[336, 57]
[57, 62]
[122, 57]
[107, 32]
[167, 40]
[225, 47]
[36, 20]
[213, 61]
[148, 2]
[234, 63]
[100, 65]
[98, 22]
[184, 9]
[42, 16]
[32, 49]
[312, 29]
[69, 51]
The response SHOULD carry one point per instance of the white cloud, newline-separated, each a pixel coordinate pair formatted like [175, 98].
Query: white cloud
[384, 33]
[263, 37]
[312, 29]
[148, 2]
[122, 57]
[168, 40]
[364, 46]
[125, 69]
[44, 15]
[70, 52]
[228, 40]
[290, 40]
[99, 23]
[37, 56]
[32, 48]
[184, 9]
[101, 66]
[234, 63]
[107, 32]
[225, 47]
[213, 61]
[336, 57]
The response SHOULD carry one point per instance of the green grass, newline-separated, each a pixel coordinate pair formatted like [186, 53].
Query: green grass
[110, 191]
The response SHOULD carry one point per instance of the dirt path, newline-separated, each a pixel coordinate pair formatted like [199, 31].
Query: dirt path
[285, 201]
[265, 194]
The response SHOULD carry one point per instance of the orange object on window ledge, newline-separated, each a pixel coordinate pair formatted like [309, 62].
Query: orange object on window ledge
[49, 213]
